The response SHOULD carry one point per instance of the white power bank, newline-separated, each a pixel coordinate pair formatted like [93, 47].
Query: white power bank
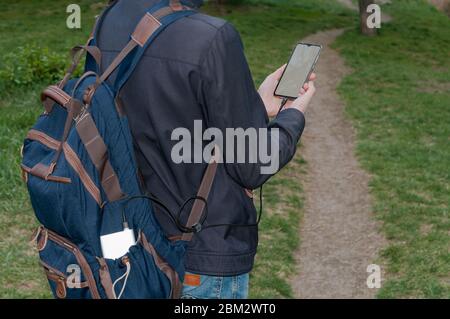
[116, 245]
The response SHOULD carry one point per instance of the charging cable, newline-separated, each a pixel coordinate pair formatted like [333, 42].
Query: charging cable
[283, 103]
[125, 275]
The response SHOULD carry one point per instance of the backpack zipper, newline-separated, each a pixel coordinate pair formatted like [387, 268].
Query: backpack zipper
[78, 167]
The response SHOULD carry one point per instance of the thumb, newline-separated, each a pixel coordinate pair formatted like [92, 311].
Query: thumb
[278, 73]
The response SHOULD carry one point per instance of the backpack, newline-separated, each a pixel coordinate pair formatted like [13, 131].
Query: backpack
[83, 181]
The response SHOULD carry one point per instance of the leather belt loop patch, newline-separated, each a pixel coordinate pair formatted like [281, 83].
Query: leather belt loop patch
[144, 30]
[176, 5]
[193, 280]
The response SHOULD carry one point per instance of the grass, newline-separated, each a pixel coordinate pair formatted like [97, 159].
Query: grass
[21, 23]
[399, 100]
[269, 31]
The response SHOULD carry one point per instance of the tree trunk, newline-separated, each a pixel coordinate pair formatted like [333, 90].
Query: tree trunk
[219, 5]
[363, 4]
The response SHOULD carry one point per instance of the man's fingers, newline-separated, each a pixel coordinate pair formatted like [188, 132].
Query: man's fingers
[278, 73]
[311, 88]
[312, 77]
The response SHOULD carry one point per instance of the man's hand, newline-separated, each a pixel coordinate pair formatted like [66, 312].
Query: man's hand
[273, 103]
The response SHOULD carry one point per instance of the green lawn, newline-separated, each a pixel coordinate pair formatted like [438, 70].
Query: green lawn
[269, 32]
[399, 100]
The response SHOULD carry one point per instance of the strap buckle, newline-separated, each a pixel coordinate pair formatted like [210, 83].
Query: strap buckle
[89, 93]
[81, 115]
[196, 228]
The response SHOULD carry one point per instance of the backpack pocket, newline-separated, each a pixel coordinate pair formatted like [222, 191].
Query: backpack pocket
[68, 272]
[141, 274]
[61, 193]
[41, 147]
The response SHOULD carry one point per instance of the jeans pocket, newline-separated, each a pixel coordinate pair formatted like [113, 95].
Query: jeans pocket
[239, 287]
[210, 288]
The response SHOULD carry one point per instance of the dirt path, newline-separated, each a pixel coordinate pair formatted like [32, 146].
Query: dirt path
[339, 237]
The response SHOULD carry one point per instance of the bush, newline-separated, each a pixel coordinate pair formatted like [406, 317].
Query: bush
[31, 64]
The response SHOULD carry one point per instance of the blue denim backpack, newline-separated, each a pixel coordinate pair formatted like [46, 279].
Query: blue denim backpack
[79, 166]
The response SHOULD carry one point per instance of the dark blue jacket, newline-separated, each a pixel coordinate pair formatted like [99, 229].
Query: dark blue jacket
[196, 70]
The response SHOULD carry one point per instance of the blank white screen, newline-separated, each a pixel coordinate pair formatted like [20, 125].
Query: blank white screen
[297, 70]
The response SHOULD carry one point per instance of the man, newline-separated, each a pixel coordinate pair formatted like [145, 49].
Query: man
[196, 70]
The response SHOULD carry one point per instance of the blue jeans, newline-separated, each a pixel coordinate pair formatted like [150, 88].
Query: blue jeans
[212, 287]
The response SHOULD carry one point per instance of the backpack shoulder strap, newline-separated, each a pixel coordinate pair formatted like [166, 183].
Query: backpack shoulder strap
[156, 19]
[200, 202]
[151, 24]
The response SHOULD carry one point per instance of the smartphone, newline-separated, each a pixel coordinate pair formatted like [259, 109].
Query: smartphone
[300, 66]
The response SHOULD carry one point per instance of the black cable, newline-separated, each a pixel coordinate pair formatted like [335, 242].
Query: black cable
[244, 225]
[283, 103]
[175, 220]
[195, 228]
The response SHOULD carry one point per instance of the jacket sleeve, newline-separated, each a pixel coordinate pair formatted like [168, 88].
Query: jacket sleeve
[231, 101]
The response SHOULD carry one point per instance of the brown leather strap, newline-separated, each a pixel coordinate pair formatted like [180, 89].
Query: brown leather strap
[45, 172]
[116, 62]
[105, 279]
[171, 274]
[175, 5]
[74, 108]
[54, 94]
[76, 53]
[203, 192]
[41, 170]
[143, 31]
[71, 157]
[75, 162]
[91, 49]
[161, 13]
[81, 79]
[109, 70]
[145, 28]
[98, 153]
